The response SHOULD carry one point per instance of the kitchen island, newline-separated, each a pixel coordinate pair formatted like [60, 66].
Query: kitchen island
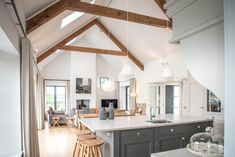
[132, 136]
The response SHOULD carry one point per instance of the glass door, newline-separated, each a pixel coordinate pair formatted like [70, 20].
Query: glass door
[56, 97]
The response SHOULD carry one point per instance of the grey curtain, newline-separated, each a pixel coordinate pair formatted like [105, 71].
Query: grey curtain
[29, 121]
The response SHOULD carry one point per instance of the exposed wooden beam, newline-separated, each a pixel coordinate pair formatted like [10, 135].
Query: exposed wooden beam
[62, 45]
[93, 50]
[65, 41]
[111, 37]
[45, 15]
[75, 5]
[120, 45]
[115, 13]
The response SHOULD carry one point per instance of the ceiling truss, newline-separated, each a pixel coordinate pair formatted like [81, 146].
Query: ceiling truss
[75, 5]
[62, 45]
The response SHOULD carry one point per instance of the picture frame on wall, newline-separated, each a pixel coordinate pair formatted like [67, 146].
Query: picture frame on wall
[83, 85]
[213, 102]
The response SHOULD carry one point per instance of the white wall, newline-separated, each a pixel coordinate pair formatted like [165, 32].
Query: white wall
[153, 73]
[198, 26]
[72, 65]
[103, 69]
[204, 58]
[198, 105]
[59, 68]
[83, 65]
[229, 22]
[10, 122]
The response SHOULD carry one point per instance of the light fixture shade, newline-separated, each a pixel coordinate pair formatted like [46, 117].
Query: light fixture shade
[127, 70]
[167, 73]
[109, 86]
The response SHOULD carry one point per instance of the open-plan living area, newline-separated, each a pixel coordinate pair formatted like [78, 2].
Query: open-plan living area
[117, 78]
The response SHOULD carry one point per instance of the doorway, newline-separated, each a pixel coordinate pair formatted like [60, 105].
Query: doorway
[172, 99]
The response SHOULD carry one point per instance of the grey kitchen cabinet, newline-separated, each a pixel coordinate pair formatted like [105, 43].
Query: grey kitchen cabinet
[133, 143]
[143, 142]
[169, 142]
[176, 136]
[169, 138]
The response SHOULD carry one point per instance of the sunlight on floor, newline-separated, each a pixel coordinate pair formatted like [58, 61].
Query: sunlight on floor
[57, 141]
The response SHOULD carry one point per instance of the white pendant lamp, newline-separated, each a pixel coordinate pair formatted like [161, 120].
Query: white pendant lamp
[167, 71]
[109, 86]
[127, 70]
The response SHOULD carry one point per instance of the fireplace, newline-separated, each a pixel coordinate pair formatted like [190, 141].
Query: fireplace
[83, 104]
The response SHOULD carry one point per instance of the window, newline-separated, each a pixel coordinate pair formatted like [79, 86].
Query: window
[127, 98]
[102, 81]
[172, 99]
[56, 97]
[72, 17]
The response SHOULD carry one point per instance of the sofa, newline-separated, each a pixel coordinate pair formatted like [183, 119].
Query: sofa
[52, 113]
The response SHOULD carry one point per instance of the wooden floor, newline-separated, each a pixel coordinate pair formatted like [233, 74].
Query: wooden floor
[57, 141]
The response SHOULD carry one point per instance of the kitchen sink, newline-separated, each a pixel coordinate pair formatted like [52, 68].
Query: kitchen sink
[159, 121]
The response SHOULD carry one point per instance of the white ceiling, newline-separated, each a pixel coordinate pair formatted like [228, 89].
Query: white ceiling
[147, 43]
[6, 44]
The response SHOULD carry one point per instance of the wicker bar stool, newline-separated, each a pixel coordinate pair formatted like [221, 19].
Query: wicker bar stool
[91, 148]
[78, 147]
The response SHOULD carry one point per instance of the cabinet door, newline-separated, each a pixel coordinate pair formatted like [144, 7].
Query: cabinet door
[169, 142]
[136, 143]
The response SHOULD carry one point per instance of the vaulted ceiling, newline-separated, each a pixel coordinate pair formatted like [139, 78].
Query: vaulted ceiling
[147, 43]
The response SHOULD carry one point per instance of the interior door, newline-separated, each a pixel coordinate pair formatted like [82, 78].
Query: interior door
[169, 96]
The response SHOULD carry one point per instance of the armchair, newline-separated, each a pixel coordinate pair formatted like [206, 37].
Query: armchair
[62, 115]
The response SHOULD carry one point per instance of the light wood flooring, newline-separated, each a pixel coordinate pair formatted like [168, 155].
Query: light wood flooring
[57, 141]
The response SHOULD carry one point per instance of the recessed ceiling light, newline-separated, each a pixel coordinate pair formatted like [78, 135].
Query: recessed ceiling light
[36, 50]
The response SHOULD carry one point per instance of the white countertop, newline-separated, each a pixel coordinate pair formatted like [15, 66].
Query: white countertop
[136, 122]
[175, 153]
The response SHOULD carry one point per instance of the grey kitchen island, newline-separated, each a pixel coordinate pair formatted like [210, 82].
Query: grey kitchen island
[133, 136]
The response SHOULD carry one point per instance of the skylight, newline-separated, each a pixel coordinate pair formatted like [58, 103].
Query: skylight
[70, 18]
[73, 16]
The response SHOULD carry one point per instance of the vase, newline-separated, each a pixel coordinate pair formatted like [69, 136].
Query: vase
[111, 111]
[102, 114]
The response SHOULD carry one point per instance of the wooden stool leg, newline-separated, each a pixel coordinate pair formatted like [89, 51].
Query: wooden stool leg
[81, 151]
[99, 152]
[75, 149]
[94, 152]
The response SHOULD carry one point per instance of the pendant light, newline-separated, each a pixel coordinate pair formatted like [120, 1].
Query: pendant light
[127, 70]
[167, 71]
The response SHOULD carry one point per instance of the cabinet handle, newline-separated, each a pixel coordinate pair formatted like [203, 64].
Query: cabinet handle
[181, 141]
[171, 130]
[138, 133]
[198, 126]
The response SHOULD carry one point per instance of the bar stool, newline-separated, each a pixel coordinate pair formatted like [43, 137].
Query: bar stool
[83, 132]
[91, 148]
[80, 138]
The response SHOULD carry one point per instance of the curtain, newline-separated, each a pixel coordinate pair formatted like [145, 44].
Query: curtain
[40, 106]
[29, 121]
[132, 94]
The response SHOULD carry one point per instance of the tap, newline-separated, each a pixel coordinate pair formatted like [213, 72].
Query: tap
[152, 112]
